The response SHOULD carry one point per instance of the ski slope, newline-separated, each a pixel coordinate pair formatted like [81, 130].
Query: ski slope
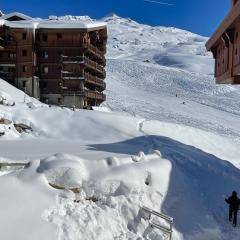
[170, 141]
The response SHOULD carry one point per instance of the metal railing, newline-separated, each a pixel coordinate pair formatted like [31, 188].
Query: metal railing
[169, 220]
[14, 165]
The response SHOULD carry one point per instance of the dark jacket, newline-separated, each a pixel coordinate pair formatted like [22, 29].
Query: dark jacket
[233, 202]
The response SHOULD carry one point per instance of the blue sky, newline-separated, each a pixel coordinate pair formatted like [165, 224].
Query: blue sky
[199, 16]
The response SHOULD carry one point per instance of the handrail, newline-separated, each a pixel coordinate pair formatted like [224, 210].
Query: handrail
[15, 164]
[164, 229]
[163, 216]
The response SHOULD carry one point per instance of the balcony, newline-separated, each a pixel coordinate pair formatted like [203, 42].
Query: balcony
[71, 76]
[7, 60]
[91, 65]
[85, 93]
[8, 76]
[73, 93]
[95, 95]
[73, 59]
[95, 67]
[95, 80]
[96, 52]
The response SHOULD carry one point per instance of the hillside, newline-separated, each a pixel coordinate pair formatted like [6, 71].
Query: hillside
[178, 64]
[175, 154]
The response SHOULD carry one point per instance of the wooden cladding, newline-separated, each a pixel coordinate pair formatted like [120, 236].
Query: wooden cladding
[236, 50]
[67, 62]
[225, 46]
[222, 63]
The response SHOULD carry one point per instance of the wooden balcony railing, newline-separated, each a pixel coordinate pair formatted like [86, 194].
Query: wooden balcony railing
[84, 60]
[72, 76]
[95, 80]
[95, 51]
[9, 76]
[85, 93]
[95, 66]
[95, 95]
[73, 59]
[7, 60]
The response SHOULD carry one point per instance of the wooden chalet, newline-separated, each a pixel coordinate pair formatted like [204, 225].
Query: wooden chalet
[225, 46]
[59, 61]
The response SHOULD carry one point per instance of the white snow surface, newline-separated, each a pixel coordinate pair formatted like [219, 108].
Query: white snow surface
[167, 138]
[67, 22]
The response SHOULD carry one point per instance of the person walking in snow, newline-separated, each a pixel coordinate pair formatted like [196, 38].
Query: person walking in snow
[233, 203]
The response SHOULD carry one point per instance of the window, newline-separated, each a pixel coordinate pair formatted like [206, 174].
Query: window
[24, 36]
[45, 54]
[59, 100]
[10, 69]
[37, 37]
[24, 53]
[11, 55]
[59, 36]
[24, 69]
[44, 37]
[24, 84]
[45, 69]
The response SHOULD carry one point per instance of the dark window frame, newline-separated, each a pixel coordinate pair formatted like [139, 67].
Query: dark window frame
[59, 36]
[24, 68]
[24, 52]
[45, 37]
[24, 36]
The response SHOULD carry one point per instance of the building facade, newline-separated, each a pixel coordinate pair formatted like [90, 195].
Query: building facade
[60, 62]
[225, 46]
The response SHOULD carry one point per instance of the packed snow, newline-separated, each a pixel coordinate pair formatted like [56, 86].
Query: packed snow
[167, 138]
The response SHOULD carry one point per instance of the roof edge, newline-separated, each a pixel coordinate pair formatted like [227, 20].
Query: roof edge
[227, 22]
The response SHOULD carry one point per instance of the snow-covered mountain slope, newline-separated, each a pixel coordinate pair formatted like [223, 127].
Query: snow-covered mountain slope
[166, 74]
[183, 165]
[167, 46]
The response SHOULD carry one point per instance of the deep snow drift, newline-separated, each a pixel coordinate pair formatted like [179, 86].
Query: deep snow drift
[118, 161]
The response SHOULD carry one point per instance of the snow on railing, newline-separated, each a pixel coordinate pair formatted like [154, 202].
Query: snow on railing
[169, 220]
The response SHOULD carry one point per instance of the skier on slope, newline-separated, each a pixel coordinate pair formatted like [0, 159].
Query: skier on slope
[233, 203]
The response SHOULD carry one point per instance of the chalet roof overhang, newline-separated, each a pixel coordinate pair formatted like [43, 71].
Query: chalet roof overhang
[225, 28]
[20, 16]
[53, 25]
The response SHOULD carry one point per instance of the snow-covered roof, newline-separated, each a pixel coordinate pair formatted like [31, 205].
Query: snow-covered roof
[53, 24]
[17, 14]
[71, 24]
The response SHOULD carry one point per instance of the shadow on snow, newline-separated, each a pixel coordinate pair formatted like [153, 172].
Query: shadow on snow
[198, 184]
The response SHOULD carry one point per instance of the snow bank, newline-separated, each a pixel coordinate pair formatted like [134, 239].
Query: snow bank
[25, 196]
